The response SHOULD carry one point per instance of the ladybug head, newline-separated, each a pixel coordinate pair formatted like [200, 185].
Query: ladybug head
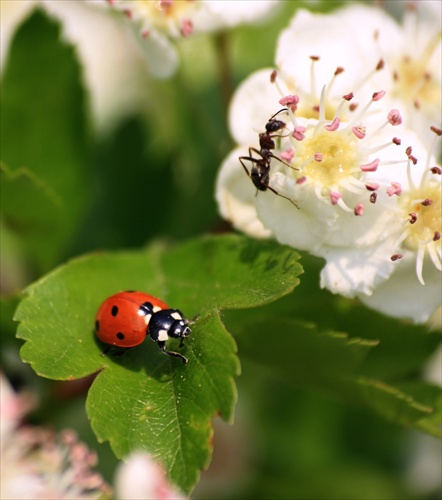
[179, 328]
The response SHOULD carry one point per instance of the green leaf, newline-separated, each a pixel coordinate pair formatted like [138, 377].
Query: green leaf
[43, 140]
[30, 209]
[333, 363]
[144, 399]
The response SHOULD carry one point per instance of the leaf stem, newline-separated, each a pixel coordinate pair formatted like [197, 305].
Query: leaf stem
[224, 69]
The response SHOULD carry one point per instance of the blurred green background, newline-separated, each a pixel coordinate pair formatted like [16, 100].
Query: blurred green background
[67, 190]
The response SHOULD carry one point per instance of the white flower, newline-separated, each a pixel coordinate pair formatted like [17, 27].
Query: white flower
[235, 195]
[36, 463]
[331, 161]
[414, 288]
[358, 36]
[114, 65]
[142, 478]
[177, 18]
[161, 22]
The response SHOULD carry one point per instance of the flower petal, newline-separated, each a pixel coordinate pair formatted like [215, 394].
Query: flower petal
[236, 196]
[356, 271]
[402, 296]
[253, 103]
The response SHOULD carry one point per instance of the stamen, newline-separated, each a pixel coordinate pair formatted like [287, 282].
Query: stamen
[370, 167]
[394, 189]
[378, 148]
[359, 131]
[335, 197]
[342, 205]
[413, 218]
[186, 27]
[334, 125]
[372, 186]
[379, 66]
[359, 209]
[329, 86]
[377, 96]
[322, 107]
[394, 117]
[435, 258]
[436, 130]
[420, 263]
[291, 101]
[312, 77]
[298, 133]
[287, 155]
[396, 257]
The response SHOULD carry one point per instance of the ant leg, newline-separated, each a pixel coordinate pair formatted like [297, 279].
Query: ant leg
[248, 158]
[282, 161]
[253, 160]
[282, 196]
[162, 346]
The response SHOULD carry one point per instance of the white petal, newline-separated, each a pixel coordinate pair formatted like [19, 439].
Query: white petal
[344, 38]
[318, 225]
[236, 196]
[305, 228]
[160, 54]
[113, 63]
[219, 14]
[354, 271]
[12, 14]
[402, 296]
[253, 103]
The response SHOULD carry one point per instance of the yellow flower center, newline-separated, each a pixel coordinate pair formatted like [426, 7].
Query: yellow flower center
[327, 157]
[425, 207]
[414, 80]
[163, 14]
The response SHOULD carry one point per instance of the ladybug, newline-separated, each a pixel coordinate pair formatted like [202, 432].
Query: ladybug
[126, 318]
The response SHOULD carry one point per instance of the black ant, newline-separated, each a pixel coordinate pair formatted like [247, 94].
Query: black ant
[260, 171]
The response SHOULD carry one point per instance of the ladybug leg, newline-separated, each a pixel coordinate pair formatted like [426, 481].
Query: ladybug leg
[115, 350]
[162, 346]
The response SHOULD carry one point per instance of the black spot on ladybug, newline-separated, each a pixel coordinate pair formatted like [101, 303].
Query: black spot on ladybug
[120, 336]
[97, 325]
[130, 291]
[114, 310]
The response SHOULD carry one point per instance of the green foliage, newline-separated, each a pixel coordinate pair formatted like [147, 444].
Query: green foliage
[352, 354]
[144, 399]
[329, 388]
[43, 142]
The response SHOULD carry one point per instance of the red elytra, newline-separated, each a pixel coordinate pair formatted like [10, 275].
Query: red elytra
[122, 319]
